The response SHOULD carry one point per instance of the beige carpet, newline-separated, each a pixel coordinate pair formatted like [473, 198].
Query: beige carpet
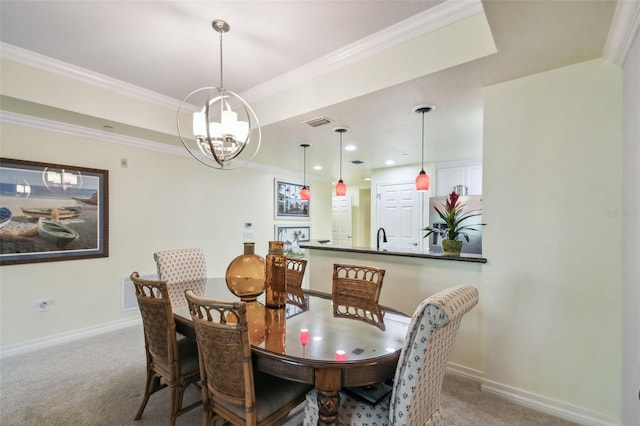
[100, 381]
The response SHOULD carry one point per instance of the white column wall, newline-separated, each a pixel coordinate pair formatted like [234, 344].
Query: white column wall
[552, 179]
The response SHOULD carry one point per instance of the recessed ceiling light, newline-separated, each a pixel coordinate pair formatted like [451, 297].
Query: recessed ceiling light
[367, 178]
[389, 162]
[317, 167]
[350, 148]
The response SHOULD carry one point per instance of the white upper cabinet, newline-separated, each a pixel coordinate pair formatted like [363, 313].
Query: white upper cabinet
[449, 175]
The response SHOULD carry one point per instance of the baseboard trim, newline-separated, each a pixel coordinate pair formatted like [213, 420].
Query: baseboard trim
[539, 403]
[58, 339]
[464, 372]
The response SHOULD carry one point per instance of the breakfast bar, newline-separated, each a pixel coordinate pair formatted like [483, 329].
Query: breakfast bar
[411, 276]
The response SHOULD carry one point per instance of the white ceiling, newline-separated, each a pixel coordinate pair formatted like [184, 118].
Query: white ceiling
[169, 47]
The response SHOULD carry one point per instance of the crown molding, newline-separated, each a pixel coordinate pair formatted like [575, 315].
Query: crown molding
[64, 69]
[7, 117]
[430, 20]
[624, 28]
[37, 123]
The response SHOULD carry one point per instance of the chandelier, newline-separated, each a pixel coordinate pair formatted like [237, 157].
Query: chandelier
[215, 124]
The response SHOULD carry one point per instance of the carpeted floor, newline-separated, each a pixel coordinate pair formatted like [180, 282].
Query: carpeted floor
[100, 381]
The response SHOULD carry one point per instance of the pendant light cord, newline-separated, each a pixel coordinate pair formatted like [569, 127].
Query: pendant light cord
[221, 86]
[304, 168]
[422, 140]
[340, 155]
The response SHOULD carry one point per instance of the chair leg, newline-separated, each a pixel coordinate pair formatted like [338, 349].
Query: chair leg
[176, 401]
[153, 381]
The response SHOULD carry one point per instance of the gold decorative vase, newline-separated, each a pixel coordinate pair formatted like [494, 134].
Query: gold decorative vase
[451, 247]
[245, 275]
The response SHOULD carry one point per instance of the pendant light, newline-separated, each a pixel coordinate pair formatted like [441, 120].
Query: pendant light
[423, 180]
[341, 188]
[215, 124]
[305, 194]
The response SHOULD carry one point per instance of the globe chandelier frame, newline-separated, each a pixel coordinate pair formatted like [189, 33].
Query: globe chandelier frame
[221, 129]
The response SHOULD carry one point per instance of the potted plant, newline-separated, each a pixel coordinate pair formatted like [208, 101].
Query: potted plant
[453, 217]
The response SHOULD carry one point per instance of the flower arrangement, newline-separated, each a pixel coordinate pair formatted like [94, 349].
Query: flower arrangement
[453, 217]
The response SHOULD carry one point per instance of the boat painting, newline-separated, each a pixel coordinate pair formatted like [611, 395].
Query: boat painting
[57, 232]
[67, 212]
[5, 216]
[93, 199]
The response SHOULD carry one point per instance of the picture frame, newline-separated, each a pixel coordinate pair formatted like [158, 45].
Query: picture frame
[287, 203]
[292, 236]
[52, 212]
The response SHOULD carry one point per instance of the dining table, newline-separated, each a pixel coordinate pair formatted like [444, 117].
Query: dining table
[312, 340]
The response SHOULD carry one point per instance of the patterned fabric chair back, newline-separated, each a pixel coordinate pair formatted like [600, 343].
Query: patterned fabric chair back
[182, 269]
[415, 399]
[358, 282]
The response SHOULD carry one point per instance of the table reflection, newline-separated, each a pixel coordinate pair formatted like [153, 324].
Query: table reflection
[359, 309]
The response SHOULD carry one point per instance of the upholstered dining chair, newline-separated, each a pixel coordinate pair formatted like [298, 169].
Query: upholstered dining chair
[169, 359]
[357, 282]
[415, 396]
[231, 390]
[182, 269]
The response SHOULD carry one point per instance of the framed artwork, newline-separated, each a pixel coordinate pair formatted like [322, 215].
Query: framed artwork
[292, 236]
[287, 202]
[52, 212]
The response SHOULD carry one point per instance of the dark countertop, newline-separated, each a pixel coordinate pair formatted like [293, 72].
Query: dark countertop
[464, 257]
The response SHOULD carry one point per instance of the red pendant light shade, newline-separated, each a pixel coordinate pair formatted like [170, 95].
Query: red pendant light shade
[423, 180]
[305, 194]
[341, 187]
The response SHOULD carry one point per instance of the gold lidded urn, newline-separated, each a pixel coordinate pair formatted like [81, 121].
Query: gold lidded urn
[245, 274]
[275, 283]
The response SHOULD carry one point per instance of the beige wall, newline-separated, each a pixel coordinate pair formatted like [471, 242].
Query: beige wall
[631, 238]
[160, 201]
[552, 174]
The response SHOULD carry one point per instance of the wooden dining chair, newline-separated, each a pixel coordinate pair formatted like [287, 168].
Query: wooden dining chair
[231, 390]
[417, 385]
[182, 269]
[295, 275]
[168, 359]
[356, 282]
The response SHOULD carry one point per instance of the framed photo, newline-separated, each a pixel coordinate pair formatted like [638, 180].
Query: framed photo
[287, 202]
[52, 212]
[292, 236]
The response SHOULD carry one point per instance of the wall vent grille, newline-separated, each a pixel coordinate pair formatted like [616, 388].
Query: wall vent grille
[129, 301]
[318, 121]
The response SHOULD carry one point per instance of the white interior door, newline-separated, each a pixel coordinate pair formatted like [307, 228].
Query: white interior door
[341, 222]
[399, 214]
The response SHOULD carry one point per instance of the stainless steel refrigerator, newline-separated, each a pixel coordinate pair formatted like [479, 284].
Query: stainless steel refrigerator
[469, 202]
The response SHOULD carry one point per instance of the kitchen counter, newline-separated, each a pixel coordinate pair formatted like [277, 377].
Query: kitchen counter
[464, 257]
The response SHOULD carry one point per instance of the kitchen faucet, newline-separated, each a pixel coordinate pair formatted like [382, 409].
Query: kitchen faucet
[384, 237]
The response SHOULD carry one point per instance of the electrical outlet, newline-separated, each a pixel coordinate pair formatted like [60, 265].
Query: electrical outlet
[43, 305]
